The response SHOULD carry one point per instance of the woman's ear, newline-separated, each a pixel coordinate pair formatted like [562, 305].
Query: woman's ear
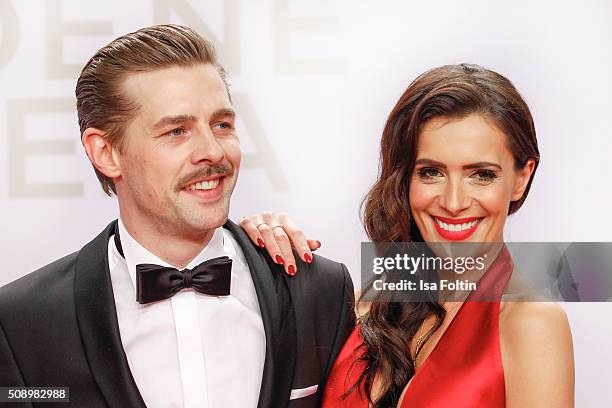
[522, 179]
[100, 152]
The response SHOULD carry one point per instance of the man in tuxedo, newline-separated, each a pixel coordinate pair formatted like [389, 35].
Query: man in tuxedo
[171, 305]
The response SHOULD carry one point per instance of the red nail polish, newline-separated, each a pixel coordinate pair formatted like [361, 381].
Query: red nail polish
[260, 242]
[279, 260]
[291, 270]
[319, 242]
[308, 257]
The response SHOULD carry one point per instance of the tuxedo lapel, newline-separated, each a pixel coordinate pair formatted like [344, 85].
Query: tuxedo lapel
[97, 320]
[279, 323]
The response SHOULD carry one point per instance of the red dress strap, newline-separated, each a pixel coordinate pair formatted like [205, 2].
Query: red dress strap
[463, 370]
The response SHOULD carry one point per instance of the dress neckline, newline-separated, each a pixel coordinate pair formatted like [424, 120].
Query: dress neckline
[496, 278]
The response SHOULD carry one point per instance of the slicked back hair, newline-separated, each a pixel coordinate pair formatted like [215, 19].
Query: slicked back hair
[101, 102]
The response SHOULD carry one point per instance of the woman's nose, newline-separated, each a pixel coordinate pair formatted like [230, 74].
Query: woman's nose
[454, 198]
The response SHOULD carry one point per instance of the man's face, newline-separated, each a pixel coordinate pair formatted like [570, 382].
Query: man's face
[181, 154]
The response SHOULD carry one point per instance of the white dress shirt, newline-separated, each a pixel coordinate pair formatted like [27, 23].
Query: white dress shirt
[191, 350]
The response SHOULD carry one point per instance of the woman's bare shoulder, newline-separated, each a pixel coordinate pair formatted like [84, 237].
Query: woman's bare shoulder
[537, 354]
[528, 327]
[527, 314]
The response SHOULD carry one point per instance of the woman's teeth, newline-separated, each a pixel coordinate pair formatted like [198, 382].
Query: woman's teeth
[204, 185]
[456, 227]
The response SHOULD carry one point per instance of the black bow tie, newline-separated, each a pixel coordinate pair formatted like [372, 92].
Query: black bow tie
[155, 282]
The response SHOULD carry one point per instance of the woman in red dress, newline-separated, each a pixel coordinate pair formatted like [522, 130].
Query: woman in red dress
[458, 155]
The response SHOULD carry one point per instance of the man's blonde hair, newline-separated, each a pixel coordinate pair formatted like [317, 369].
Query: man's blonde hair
[100, 101]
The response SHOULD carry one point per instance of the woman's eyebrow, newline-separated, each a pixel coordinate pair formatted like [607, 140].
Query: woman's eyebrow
[430, 162]
[477, 165]
[480, 165]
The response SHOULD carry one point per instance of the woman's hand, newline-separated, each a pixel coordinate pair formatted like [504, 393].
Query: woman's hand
[278, 234]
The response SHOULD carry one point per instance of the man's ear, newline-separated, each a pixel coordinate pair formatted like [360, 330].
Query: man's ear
[100, 152]
[522, 180]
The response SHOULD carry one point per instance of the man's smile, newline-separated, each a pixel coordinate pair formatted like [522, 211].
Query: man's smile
[209, 190]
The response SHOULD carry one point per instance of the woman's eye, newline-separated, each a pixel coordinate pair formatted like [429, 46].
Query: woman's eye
[176, 132]
[428, 173]
[484, 176]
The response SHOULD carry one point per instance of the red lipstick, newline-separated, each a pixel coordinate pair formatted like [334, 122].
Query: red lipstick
[453, 222]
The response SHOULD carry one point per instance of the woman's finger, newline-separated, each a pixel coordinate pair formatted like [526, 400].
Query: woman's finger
[272, 246]
[296, 237]
[282, 240]
[313, 244]
[249, 225]
[275, 222]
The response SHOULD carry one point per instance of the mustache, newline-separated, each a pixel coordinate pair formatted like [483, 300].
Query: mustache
[204, 172]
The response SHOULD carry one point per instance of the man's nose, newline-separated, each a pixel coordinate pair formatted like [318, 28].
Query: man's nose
[206, 148]
[454, 198]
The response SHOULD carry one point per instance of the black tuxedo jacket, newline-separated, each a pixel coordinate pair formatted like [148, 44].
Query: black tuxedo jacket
[58, 327]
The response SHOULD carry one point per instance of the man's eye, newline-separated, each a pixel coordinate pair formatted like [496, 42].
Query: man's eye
[224, 126]
[176, 132]
[428, 173]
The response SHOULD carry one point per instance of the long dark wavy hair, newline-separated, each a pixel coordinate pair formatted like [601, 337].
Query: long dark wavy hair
[452, 91]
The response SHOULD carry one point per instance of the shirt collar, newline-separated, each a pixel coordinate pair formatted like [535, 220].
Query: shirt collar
[135, 254]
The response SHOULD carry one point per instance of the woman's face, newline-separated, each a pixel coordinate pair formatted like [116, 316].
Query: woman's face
[464, 180]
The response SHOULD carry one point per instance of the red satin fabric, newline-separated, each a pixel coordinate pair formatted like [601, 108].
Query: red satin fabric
[463, 370]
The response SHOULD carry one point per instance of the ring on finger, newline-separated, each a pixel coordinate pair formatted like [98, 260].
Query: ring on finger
[260, 224]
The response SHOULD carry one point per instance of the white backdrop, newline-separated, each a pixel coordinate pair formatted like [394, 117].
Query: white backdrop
[313, 82]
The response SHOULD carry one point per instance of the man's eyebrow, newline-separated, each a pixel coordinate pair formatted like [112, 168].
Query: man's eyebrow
[222, 113]
[173, 120]
[477, 165]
